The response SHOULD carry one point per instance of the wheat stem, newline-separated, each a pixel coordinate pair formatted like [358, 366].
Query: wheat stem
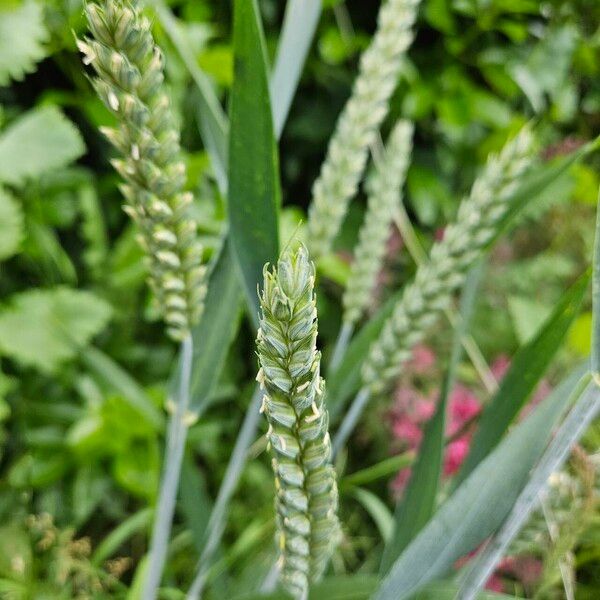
[341, 344]
[175, 446]
[216, 523]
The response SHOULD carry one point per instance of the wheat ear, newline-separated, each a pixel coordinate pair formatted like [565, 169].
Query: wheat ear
[307, 497]
[359, 123]
[479, 217]
[385, 189]
[129, 80]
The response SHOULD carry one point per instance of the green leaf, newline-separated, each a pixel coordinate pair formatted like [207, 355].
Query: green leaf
[377, 510]
[117, 379]
[299, 26]
[194, 499]
[572, 428]
[11, 217]
[526, 369]
[118, 536]
[44, 328]
[213, 122]
[137, 468]
[595, 366]
[254, 194]
[480, 505]
[22, 38]
[385, 468]
[420, 497]
[345, 379]
[41, 140]
[215, 331]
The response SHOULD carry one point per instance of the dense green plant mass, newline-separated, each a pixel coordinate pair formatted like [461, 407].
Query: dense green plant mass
[293, 403]
[423, 138]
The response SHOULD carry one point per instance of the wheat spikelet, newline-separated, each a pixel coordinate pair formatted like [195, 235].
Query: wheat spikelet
[307, 498]
[129, 80]
[384, 196]
[478, 219]
[359, 122]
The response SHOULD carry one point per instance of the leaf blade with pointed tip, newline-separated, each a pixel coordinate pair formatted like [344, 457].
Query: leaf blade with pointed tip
[480, 505]
[254, 194]
[527, 368]
[419, 500]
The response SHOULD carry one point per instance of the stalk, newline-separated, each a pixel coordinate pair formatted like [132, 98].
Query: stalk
[216, 523]
[175, 446]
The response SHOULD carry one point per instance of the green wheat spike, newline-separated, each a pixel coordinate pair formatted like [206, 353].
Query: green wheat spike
[307, 497]
[129, 80]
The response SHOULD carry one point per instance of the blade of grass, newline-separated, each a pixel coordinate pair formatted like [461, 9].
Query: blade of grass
[254, 194]
[526, 370]
[385, 468]
[595, 364]
[420, 498]
[215, 331]
[175, 447]
[480, 505]
[573, 427]
[299, 26]
[118, 536]
[213, 122]
[194, 500]
[344, 381]
[377, 510]
[216, 524]
[115, 378]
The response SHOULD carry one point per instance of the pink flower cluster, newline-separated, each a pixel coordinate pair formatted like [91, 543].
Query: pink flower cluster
[413, 408]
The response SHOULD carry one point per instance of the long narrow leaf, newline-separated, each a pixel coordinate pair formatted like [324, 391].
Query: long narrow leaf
[345, 379]
[527, 367]
[299, 26]
[254, 194]
[113, 376]
[420, 497]
[213, 122]
[573, 427]
[595, 365]
[216, 330]
[479, 506]
[216, 523]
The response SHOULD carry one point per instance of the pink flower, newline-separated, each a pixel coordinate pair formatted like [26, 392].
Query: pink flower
[456, 452]
[407, 430]
[500, 366]
[463, 407]
[424, 410]
[494, 584]
[400, 481]
[422, 360]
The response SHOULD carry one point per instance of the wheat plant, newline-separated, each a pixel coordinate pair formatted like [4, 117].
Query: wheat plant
[128, 68]
[359, 123]
[306, 489]
[129, 80]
